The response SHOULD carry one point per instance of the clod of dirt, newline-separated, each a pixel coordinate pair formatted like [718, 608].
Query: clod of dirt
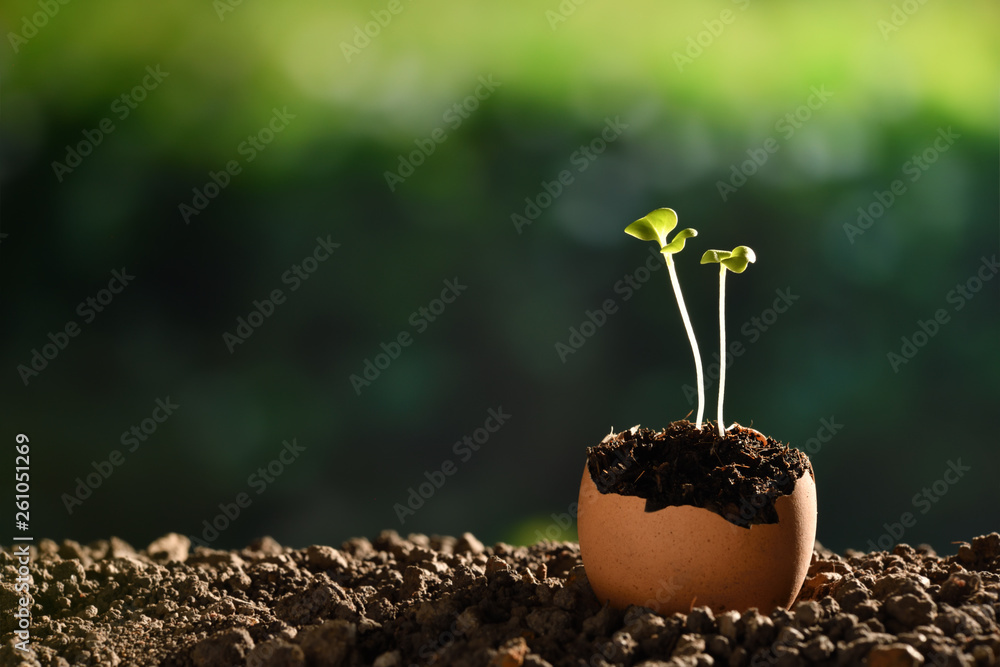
[395, 602]
[738, 477]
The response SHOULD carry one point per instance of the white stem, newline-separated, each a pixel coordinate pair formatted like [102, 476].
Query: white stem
[722, 344]
[690, 333]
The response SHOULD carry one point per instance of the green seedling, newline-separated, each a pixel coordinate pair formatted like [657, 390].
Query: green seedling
[655, 227]
[736, 261]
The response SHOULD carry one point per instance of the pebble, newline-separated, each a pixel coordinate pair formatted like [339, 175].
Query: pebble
[228, 646]
[730, 625]
[808, 613]
[328, 644]
[818, 648]
[468, 543]
[326, 558]
[689, 644]
[170, 547]
[495, 566]
[602, 623]
[276, 653]
[511, 653]
[894, 655]
[701, 620]
[911, 610]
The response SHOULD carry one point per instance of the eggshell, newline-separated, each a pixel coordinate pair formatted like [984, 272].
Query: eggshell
[681, 557]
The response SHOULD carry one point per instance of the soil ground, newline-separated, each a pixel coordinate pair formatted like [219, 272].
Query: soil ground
[394, 601]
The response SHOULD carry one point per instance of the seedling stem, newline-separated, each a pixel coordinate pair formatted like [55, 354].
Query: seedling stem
[699, 375]
[722, 344]
[654, 227]
[736, 261]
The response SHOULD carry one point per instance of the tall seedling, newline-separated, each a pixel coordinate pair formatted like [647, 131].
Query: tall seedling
[655, 227]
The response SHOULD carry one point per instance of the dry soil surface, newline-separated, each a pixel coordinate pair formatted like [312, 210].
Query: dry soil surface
[421, 600]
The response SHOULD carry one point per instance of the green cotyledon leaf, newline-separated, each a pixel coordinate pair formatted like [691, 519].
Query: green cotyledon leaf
[736, 260]
[677, 244]
[654, 226]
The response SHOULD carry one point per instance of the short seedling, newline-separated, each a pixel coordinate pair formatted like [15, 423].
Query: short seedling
[654, 227]
[736, 261]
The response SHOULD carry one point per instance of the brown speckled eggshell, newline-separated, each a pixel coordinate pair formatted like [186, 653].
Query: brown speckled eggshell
[682, 557]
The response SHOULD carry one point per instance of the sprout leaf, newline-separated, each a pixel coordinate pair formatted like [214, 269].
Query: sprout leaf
[677, 244]
[735, 260]
[715, 256]
[655, 226]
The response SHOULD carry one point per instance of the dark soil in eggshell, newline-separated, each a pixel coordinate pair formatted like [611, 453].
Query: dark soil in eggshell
[738, 477]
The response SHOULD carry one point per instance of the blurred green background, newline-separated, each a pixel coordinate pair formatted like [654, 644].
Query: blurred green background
[845, 96]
